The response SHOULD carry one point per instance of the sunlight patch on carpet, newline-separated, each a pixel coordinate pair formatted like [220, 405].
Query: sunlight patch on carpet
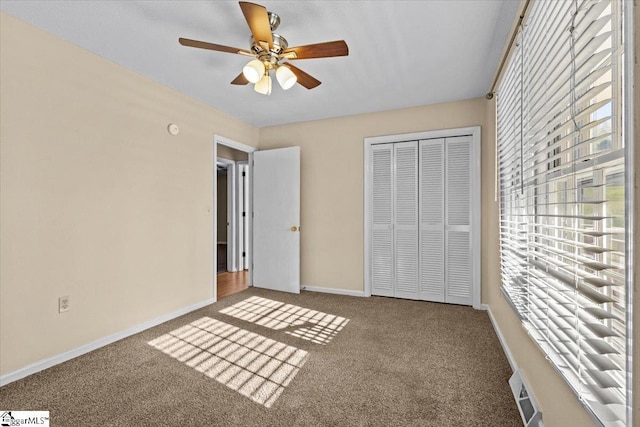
[255, 366]
[312, 325]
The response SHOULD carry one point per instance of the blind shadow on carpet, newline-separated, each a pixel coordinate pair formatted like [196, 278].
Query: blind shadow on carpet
[265, 358]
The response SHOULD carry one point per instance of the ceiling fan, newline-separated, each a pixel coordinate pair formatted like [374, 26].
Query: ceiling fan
[272, 52]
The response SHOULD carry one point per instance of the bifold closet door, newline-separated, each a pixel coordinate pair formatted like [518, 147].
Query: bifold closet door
[382, 260]
[423, 196]
[406, 220]
[395, 220]
[458, 268]
[432, 199]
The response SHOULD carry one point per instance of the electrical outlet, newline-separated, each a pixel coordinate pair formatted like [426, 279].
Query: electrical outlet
[63, 304]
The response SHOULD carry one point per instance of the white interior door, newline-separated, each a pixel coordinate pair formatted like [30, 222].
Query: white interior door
[276, 219]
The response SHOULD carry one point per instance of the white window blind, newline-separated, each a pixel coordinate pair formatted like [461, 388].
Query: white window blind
[562, 196]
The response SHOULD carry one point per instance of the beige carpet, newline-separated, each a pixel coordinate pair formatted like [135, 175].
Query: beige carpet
[274, 359]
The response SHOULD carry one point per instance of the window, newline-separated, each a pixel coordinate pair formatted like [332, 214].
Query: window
[561, 160]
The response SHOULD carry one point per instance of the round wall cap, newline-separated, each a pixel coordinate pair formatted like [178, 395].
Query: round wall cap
[173, 129]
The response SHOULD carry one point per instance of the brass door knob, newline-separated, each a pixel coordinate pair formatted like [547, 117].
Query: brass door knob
[294, 228]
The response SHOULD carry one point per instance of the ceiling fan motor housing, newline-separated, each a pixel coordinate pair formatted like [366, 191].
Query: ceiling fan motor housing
[266, 55]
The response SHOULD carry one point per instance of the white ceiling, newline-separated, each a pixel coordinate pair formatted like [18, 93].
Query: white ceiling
[401, 53]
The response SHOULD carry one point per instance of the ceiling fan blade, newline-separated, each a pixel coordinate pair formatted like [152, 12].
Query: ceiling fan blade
[213, 46]
[240, 80]
[258, 21]
[317, 50]
[304, 79]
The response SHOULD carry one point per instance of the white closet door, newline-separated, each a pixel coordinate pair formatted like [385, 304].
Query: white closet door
[382, 220]
[406, 220]
[459, 283]
[432, 165]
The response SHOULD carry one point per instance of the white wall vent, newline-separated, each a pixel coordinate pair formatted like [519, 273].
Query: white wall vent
[529, 410]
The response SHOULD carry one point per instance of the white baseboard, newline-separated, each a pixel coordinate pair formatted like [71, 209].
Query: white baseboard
[94, 345]
[483, 307]
[505, 348]
[332, 291]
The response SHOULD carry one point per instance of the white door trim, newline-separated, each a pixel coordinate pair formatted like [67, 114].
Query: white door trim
[218, 139]
[232, 241]
[243, 221]
[475, 133]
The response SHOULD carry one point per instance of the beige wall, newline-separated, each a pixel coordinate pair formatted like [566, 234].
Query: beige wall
[98, 201]
[332, 174]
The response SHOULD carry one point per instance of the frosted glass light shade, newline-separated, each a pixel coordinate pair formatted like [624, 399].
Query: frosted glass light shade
[285, 77]
[264, 85]
[254, 70]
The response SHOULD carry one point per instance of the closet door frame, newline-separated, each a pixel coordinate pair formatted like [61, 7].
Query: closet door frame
[475, 133]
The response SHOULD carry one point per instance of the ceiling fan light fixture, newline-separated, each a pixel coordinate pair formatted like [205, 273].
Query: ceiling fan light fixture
[269, 49]
[254, 70]
[263, 86]
[285, 77]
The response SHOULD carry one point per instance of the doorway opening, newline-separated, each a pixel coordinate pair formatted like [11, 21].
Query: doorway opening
[222, 220]
[232, 234]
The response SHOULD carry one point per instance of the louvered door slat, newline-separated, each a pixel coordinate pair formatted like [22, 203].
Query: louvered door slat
[458, 180]
[406, 219]
[432, 265]
[406, 264]
[432, 220]
[382, 262]
[458, 268]
[382, 272]
[459, 284]
[382, 185]
[406, 184]
[432, 182]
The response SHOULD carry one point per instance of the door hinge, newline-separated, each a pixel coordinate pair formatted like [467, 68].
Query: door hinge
[244, 173]
[244, 214]
[244, 254]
